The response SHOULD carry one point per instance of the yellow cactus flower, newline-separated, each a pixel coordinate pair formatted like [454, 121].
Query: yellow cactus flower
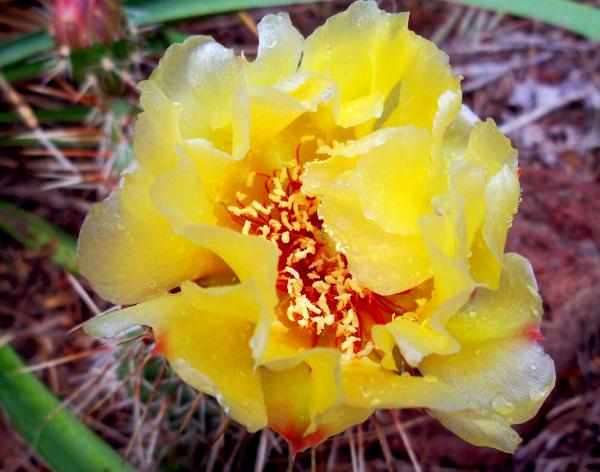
[320, 232]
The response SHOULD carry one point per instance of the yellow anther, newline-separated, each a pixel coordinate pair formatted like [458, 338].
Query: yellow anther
[294, 273]
[321, 286]
[285, 220]
[276, 225]
[365, 351]
[348, 345]
[264, 210]
[246, 228]
[265, 230]
[250, 179]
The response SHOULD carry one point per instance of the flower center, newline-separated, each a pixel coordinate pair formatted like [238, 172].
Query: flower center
[317, 290]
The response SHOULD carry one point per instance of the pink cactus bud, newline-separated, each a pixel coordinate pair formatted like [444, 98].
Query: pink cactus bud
[80, 23]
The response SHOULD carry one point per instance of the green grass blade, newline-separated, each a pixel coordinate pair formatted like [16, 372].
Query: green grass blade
[56, 434]
[34, 233]
[60, 439]
[144, 12]
[24, 46]
[27, 69]
[75, 114]
[570, 15]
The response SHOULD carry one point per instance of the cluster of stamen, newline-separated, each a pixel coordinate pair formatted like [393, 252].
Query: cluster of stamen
[320, 292]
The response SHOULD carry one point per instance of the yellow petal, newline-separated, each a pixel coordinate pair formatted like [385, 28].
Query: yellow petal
[390, 180]
[189, 204]
[505, 381]
[207, 79]
[319, 174]
[489, 148]
[367, 385]
[334, 421]
[358, 147]
[451, 132]
[488, 431]
[449, 107]
[325, 383]
[287, 395]
[156, 130]
[303, 401]
[279, 50]
[128, 250]
[310, 90]
[221, 175]
[479, 160]
[343, 157]
[285, 348]
[503, 313]
[270, 112]
[357, 111]
[502, 199]
[444, 132]
[503, 374]
[469, 181]
[445, 236]
[205, 334]
[414, 340]
[396, 263]
[388, 69]
[283, 345]
[249, 257]
[342, 48]
[508, 377]
[423, 85]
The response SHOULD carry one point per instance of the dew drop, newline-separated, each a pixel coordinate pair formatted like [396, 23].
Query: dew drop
[537, 393]
[502, 405]
[270, 43]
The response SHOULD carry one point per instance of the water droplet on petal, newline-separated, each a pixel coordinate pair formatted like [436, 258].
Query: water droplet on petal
[270, 42]
[502, 405]
[537, 393]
